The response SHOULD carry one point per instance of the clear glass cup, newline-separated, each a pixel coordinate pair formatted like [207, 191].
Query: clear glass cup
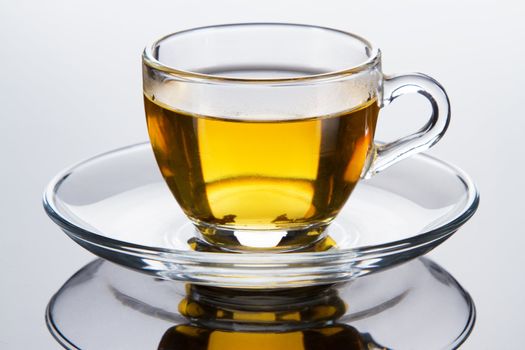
[262, 130]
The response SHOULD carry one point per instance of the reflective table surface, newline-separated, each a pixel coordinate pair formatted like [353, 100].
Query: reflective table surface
[417, 305]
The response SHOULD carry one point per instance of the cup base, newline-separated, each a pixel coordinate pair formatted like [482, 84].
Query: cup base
[244, 241]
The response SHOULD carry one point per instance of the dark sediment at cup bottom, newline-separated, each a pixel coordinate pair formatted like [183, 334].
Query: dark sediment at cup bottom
[278, 240]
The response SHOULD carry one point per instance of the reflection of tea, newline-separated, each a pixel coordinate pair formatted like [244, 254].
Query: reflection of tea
[261, 175]
[300, 318]
[338, 337]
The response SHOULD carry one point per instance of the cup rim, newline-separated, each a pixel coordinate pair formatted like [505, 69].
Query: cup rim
[148, 58]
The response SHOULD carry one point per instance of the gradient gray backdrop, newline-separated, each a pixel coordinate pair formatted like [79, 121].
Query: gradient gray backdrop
[70, 87]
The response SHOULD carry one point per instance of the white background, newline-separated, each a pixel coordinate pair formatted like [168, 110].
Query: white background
[70, 87]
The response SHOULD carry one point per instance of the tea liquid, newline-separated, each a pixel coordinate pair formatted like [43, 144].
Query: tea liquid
[263, 175]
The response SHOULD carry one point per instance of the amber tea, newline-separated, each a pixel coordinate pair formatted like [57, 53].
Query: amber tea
[261, 175]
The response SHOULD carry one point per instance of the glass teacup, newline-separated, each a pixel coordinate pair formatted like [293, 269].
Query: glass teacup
[263, 130]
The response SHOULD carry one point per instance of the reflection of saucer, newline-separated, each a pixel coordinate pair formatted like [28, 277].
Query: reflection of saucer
[415, 306]
[118, 206]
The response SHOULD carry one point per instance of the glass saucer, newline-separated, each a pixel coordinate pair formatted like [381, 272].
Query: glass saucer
[417, 305]
[117, 206]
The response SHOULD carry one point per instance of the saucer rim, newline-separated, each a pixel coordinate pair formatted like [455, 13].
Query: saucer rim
[422, 238]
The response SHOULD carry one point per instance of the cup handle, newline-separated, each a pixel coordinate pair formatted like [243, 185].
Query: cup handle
[394, 86]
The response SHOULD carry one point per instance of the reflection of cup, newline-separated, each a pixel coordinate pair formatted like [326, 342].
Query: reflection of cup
[262, 131]
[299, 318]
